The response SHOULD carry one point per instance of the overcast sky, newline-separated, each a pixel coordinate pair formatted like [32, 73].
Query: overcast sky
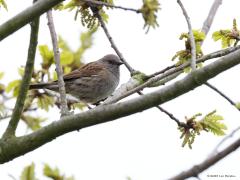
[145, 145]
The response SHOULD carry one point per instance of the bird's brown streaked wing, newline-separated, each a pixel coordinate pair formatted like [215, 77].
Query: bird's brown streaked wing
[87, 70]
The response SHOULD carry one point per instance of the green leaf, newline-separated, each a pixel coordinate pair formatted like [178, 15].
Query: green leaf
[28, 173]
[1, 75]
[212, 123]
[21, 71]
[13, 86]
[149, 11]
[34, 123]
[70, 5]
[66, 58]
[45, 101]
[47, 56]
[63, 44]
[52, 173]
[198, 35]
[217, 36]
[3, 3]
[55, 75]
[237, 105]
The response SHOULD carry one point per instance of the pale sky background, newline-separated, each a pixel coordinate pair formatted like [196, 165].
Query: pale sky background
[145, 145]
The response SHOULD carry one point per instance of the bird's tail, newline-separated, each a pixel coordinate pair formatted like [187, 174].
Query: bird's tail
[41, 86]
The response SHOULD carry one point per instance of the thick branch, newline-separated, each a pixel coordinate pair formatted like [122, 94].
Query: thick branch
[170, 72]
[61, 84]
[197, 169]
[26, 16]
[15, 147]
[17, 111]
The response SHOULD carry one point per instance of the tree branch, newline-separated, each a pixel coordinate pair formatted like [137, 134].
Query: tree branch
[222, 94]
[5, 117]
[113, 45]
[17, 111]
[170, 72]
[26, 16]
[170, 115]
[208, 22]
[204, 58]
[93, 3]
[61, 84]
[197, 169]
[132, 71]
[225, 139]
[191, 36]
[14, 147]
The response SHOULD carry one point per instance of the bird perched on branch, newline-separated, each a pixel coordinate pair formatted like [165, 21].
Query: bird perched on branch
[90, 83]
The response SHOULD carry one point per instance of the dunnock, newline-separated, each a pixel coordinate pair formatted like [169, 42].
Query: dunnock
[90, 83]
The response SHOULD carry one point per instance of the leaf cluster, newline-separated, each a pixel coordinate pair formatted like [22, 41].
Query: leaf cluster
[149, 11]
[28, 173]
[184, 56]
[228, 37]
[209, 123]
[84, 10]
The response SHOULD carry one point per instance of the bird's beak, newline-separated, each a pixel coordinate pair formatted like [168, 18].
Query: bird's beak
[120, 63]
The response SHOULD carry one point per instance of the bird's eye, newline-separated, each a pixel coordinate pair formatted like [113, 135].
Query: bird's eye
[111, 62]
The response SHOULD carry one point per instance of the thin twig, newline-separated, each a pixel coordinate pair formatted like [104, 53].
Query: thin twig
[5, 117]
[191, 36]
[11, 176]
[22, 93]
[213, 55]
[170, 115]
[224, 139]
[208, 22]
[206, 27]
[197, 169]
[171, 72]
[222, 94]
[113, 45]
[61, 85]
[93, 3]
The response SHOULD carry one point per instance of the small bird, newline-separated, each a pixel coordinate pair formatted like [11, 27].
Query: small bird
[90, 83]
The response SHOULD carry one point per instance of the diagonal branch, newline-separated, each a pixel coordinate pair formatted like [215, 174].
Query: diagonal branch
[222, 94]
[96, 13]
[26, 16]
[12, 148]
[197, 169]
[171, 72]
[208, 22]
[61, 85]
[204, 58]
[17, 111]
[225, 139]
[191, 36]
